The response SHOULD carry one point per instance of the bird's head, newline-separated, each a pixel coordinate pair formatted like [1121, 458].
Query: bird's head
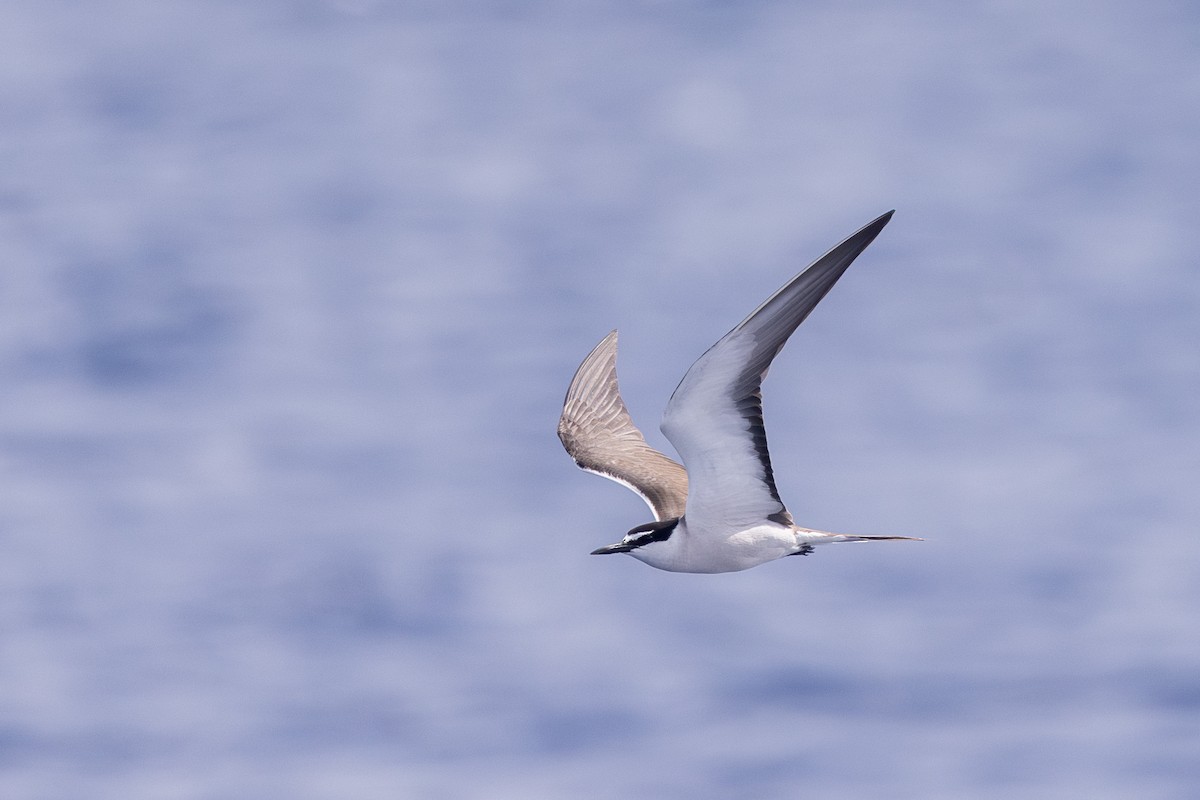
[641, 536]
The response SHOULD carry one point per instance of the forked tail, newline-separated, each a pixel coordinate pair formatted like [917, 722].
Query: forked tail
[824, 537]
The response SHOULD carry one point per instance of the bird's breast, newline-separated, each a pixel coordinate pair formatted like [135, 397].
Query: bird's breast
[710, 549]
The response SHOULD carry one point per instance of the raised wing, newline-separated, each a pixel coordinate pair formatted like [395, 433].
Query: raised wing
[714, 418]
[598, 433]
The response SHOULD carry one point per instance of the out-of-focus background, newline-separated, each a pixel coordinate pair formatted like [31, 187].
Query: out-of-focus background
[289, 296]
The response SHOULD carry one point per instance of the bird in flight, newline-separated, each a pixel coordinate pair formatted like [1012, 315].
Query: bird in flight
[720, 510]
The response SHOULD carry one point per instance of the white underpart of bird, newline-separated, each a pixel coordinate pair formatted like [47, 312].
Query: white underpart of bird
[723, 512]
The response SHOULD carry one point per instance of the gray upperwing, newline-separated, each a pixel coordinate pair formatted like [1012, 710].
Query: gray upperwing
[598, 433]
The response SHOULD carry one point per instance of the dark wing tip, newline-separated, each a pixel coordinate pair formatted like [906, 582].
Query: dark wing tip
[870, 230]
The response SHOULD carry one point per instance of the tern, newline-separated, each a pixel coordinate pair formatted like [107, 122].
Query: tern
[720, 510]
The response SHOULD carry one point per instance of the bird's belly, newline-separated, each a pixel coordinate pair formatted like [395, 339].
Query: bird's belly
[709, 551]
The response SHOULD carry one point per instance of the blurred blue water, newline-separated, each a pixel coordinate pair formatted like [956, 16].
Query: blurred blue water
[291, 294]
